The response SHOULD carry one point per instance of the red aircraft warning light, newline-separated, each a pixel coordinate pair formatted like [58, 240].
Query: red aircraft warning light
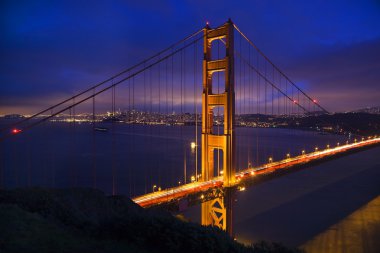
[16, 131]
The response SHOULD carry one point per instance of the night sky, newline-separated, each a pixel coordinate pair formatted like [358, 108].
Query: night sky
[50, 50]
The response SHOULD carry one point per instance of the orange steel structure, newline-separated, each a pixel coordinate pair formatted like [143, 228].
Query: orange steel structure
[216, 212]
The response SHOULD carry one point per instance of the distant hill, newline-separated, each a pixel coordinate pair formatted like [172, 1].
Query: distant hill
[356, 123]
[340, 123]
[85, 220]
[371, 110]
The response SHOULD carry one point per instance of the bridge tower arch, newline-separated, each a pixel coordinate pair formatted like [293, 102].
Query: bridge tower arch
[216, 212]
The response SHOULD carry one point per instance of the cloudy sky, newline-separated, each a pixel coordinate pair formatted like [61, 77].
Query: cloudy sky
[52, 49]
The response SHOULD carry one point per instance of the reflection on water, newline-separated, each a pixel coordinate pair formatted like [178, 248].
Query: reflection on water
[357, 233]
[297, 207]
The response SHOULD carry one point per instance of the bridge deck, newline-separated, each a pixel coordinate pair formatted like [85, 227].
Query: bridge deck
[178, 192]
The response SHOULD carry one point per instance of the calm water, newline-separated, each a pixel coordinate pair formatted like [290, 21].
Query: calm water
[132, 158]
[331, 207]
[294, 209]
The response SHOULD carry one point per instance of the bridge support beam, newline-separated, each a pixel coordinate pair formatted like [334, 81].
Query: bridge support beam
[218, 212]
[214, 212]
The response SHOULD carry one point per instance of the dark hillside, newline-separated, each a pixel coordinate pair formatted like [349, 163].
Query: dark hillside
[85, 220]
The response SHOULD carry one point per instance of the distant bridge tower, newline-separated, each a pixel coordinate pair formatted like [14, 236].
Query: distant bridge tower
[214, 212]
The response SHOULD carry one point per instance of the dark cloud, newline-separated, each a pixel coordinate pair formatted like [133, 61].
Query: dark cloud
[49, 49]
[345, 78]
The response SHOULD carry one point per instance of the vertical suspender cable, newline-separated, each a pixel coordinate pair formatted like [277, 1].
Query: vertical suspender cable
[145, 115]
[151, 172]
[113, 139]
[195, 111]
[74, 129]
[218, 126]
[166, 120]
[93, 143]
[183, 111]
[244, 108]
[181, 127]
[134, 116]
[172, 108]
[258, 110]
[159, 117]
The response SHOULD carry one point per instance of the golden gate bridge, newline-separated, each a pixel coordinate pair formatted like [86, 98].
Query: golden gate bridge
[201, 92]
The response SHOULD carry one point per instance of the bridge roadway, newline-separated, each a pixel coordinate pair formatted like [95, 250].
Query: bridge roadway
[181, 191]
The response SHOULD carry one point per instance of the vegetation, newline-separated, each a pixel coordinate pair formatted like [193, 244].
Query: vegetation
[85, 220]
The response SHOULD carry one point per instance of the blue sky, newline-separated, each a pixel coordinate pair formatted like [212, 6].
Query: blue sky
[52, 49]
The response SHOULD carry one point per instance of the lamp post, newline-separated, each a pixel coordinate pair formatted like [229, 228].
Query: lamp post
[193, 149]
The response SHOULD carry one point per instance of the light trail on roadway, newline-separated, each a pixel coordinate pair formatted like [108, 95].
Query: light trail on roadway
[170, 194]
